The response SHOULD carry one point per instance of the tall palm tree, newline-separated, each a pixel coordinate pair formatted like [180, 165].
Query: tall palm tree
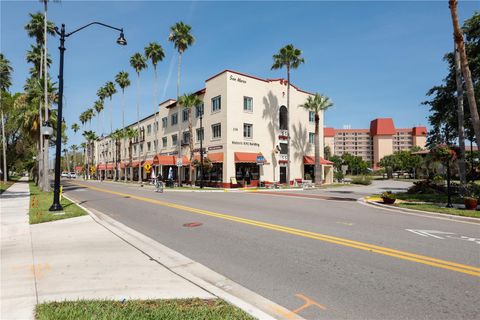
[155, 53]
[98, 106]
[467, 76]
[290, 58]
[102, 94]
[5, 83]
[116, 137]
[190, 101]
[89, 113]
[123, 82]
[317, 104]
[138, 62]
[35, 57]
[182, 38]
[130, 135]
[90, 138]
[83, 119]
[110, 90]
[74, 148]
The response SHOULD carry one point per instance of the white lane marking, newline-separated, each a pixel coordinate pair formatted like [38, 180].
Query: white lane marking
[436, 234]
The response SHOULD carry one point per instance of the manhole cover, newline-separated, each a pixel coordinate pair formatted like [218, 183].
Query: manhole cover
[192, 224]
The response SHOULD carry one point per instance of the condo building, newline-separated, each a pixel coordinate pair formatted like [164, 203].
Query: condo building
[373, 144]
[244, 132]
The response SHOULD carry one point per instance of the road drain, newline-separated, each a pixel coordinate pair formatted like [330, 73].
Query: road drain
[192, 224]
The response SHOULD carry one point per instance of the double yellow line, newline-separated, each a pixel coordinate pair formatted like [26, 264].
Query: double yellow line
[462, 268]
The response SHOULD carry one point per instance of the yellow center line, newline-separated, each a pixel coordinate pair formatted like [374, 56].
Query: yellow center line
[453, 266]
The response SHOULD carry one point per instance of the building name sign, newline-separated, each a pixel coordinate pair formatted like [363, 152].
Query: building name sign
[237, 79]
[246, 143]
[215, 148]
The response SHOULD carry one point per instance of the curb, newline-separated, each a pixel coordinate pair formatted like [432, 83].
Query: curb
[194, 272]
[421, 212]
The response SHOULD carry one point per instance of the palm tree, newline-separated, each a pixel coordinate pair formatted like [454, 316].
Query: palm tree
[138, 62]
[123, 82]
[155, 53]
[182, 38]
[5, 83]
[90, 137]
[317, 103]
[110, 90]
[190, 101]
[288, 57]
[98, 106]
[89, 113]
[35, 57]
[102, 94]
[467, 76]
[116, 137]
[130, 134]
[74, 148]
[83, 119]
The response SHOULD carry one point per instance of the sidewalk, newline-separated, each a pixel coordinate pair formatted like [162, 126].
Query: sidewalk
[73, 259]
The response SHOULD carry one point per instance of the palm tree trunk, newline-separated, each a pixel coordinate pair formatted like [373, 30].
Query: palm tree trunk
[4, 149]
[467, 76]
[138, 129]
[318, 167]
[45, 92]
[40, 159]
[190, 132]
[461, 128]
[155, 123]
[288, 125]
[179, 141]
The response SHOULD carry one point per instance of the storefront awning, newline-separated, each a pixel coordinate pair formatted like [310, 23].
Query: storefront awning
[134, 164]
[123, 165]
[110, 166]
[150, 162]
[246, 157]
[311, 161]
[213, 157]
[78, 168]
[164, 160]
[101, 167]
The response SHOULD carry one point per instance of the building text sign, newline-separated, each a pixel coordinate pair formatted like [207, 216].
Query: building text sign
[237, 79]
[246, 143]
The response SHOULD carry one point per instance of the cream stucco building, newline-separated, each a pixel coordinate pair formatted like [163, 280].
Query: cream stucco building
[245, 132]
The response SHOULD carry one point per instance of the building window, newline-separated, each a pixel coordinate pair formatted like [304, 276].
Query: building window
[135, 149]
[155, 126]
[199, 110]
[186, 137]
[164, 122]
[247, 130]
[174, 140]
[248, 104]
[283, 118]
[200, 135]
[141, 148]
[311, 116]
[216, 104]
[174, 119]
[283, 148]
[216, 131]
[149, 146]
[311, 137]
[164, 142]
[149, 130]
[185, 115]
[155, 144]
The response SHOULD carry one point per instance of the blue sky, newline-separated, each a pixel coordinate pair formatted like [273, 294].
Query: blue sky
[373, 59]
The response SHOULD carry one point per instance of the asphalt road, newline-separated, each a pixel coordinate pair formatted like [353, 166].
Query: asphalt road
[357, 261]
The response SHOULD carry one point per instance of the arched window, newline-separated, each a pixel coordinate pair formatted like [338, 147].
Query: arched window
[283, 117]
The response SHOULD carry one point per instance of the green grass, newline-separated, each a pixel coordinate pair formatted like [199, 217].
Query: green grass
[5, 186]
[439, 209]
[429, 197]
[175, 309]
[40, 202]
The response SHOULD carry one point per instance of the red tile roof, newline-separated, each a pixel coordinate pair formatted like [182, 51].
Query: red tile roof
[328, 132]
[311, 160]
[419, 131]
[382, 127]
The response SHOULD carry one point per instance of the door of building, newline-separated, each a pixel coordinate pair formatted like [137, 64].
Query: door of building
[283, 174]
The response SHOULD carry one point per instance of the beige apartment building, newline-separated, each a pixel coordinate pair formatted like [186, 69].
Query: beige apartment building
[373, 144]
[245, 128]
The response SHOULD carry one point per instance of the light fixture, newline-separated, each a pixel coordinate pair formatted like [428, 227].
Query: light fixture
[46, 130]
[121, 40]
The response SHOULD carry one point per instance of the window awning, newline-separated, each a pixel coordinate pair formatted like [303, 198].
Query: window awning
[164, 160]
[213, 157]
[246, 157]
[110, 166]
[101, 167]
[311, 161]
[123, 165]
[150, 162]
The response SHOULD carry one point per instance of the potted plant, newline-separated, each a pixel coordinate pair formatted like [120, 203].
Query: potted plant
[471, 198]
[388, 197]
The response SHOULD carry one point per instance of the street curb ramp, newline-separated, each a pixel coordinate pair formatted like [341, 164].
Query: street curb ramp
[194, 272]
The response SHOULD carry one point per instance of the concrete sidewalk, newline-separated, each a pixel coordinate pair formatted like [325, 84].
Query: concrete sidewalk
[73, 259]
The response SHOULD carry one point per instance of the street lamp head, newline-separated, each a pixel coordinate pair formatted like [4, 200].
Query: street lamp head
[121, 40]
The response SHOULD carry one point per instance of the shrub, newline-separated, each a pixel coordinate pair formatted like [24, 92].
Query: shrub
[339, 176]
[472, 191]
[364, 180]
[425, 187]
[308, 176]
[388, 195]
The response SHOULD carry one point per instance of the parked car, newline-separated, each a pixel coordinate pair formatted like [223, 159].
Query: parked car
[65, 175]
[72, 175]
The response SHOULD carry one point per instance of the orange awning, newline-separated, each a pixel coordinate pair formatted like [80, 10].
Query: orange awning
[150, 162]
[164, 160]
[123, 165]
[110, 166]
[101, 167]
[311, 160]
[134, 164]
[213, 157]
[246, 157]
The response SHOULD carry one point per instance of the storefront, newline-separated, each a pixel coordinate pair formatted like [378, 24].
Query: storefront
[309, 169]
[247, 170]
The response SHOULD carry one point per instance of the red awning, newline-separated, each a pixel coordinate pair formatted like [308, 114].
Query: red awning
[150, 162]
[110, 166]
[213, 157]
[78, 168]
[123, 165]
[134, 164]
[311, 160]
[101, 167]
[246, 157]
[164, 160]
[185, 161]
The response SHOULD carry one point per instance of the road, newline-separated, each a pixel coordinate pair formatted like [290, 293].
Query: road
[357, 261]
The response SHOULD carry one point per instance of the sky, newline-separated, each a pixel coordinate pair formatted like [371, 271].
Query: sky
[372, 58]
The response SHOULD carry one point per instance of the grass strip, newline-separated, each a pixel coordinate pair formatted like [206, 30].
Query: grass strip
[439, 209]
[41, 201]
[173, 309]
[5, 186]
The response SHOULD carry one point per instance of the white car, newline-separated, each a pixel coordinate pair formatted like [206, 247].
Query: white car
[64, 175]
[72, 175]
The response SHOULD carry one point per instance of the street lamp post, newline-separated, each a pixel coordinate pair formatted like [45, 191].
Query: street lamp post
[201, 152]
[56, 206]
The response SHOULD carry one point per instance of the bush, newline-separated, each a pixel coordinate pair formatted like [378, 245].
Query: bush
[425, 187]
[388, 195]
[364, 180]
[339, 176]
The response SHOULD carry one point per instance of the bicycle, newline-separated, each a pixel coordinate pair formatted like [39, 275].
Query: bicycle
[158, 186]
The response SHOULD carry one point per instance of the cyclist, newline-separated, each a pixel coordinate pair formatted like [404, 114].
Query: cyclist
[159, 182]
